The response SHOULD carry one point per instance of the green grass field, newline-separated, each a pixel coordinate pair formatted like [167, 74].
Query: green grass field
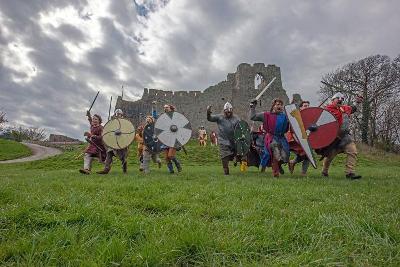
[52, 215]
[10, 149]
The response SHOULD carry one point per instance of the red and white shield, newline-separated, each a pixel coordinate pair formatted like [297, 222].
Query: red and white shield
[321, 126]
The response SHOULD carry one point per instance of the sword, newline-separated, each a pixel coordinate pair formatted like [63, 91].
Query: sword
[323, 101]
[109, 109]
[94, 100]
[265, 89]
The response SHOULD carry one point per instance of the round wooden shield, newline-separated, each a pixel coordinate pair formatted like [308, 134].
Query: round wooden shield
[242, 137]
[173, 129]
[321, 126]
[150, 139]
[118, 133]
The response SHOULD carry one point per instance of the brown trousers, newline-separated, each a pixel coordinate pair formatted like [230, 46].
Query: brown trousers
[351, 160]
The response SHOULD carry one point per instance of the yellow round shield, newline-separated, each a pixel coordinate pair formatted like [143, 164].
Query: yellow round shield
[118, 133]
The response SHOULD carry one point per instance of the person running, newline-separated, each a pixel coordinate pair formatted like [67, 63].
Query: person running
[148, 153]
[122, 154]
[170, 152]
[275, 124]
[226, 123]
[344, 143]
[96, 148]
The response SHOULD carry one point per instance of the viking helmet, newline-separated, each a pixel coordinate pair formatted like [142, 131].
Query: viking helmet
[228, 106]
[338, 95]
[118, 111]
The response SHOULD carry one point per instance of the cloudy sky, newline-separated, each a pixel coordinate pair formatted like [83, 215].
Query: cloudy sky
[55, 55]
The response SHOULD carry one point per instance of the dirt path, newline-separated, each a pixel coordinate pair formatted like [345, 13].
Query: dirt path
[38, 152]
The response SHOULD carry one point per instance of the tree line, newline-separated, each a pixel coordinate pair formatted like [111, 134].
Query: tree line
[377, 79]
[20, 133]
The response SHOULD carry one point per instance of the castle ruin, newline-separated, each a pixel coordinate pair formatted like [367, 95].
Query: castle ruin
[239, 88]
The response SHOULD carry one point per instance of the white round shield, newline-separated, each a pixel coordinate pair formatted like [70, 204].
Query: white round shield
[173, 129]
[118, 133]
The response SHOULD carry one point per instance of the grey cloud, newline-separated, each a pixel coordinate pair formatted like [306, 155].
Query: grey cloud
[22, 14]
[70, 32]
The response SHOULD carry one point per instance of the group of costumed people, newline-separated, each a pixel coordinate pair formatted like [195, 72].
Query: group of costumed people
[272, 142]
[97, 149]
[202, 137]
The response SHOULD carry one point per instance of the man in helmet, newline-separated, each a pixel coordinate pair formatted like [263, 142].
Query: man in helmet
[226, 123]
[122, 154]
[275, 124]
[344, 142]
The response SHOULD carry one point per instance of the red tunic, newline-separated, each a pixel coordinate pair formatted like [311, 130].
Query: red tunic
[96, 138]
[338, 111]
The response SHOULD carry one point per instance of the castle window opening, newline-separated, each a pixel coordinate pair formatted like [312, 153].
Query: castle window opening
[258, 81]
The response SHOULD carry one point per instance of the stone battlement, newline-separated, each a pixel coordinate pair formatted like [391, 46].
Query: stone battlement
[238, 88]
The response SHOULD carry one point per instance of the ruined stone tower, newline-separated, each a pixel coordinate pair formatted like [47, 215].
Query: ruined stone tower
[239, 88]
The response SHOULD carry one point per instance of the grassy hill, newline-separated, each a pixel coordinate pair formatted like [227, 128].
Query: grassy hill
[52, 215]
[10, 149]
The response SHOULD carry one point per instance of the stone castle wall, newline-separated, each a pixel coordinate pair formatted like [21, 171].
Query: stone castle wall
[238, 88]
[58, 138]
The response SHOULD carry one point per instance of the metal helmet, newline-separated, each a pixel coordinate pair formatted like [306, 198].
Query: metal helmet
[338, 95]
[228, 106]
[118, 111]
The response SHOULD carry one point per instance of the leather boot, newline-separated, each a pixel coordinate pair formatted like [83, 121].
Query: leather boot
[177, 164]
[105, 171]
[226, 171]
[124, 167]
[170, 167]
[84, 171]
[353, 176]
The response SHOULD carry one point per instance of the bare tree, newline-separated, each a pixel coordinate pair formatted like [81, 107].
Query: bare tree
[388, 125]
[376, 79]
[3, 118]
[35, 134]
[20, 133]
